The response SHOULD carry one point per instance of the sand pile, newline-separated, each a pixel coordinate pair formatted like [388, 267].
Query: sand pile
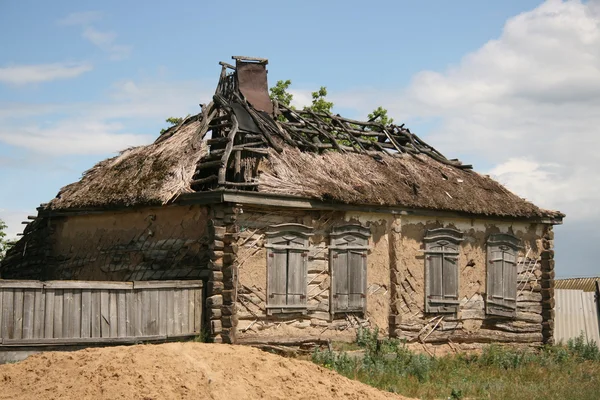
[175, 371]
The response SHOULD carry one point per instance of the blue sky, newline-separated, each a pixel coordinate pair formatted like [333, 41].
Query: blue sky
[504, 85]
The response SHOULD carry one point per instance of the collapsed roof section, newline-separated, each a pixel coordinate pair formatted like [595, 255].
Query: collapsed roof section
[245, 123]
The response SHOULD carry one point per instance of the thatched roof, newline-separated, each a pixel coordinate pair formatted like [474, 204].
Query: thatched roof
[267, 147]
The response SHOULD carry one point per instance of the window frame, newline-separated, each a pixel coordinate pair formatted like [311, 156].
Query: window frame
[297, 238]
[348, 238]
[448, 239]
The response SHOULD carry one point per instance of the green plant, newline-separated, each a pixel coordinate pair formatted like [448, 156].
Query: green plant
[172, 121]
[583, 349]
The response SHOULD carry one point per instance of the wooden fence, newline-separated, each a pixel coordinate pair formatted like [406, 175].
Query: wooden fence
[34, 313]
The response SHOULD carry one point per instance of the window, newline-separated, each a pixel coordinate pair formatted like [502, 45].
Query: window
[441, 270]
[348, 264]
[287, 254]
[501, 297]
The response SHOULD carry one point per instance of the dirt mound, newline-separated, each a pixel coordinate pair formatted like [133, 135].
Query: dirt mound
[175, 371]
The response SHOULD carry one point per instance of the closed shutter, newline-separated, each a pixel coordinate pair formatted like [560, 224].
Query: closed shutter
[501, 297]
[441, 270]
[357, 274]
[339, 273]
[296, 277]
[348, 264]
[287, 250]
[276, 276]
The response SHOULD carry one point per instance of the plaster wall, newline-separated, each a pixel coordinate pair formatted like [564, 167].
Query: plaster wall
[148, 243]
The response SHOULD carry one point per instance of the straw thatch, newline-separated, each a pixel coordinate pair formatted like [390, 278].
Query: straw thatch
[295, 152]
[151, 174]
[408, 181]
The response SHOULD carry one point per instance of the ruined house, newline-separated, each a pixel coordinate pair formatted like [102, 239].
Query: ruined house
[304, 224]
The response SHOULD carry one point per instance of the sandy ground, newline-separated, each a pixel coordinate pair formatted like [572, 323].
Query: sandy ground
[175, 371]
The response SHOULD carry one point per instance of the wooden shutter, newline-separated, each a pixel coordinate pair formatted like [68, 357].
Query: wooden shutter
[501, 296]
[287, 254]
[441, 270]
[348, 264]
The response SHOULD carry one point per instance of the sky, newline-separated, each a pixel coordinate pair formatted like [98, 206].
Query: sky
[512, 86]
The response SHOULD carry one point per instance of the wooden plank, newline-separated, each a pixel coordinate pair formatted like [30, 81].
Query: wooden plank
[139, 317]
[154, 311]
[171, 312]
[122, 313]
[39, 313]
[296, 278]
[183, 308]
[14, 284]
[197, 310]
[49, 313]
[7, 314]
[144, 307]
[99, 285]
[75, 341]
[276, 277]
[58, 313]
[176, 312]
[67, 322]
[357, 267]
[96, 314]
[86, 313]
[449, 278]
[340, 284]
[113, 319]
[1, 312]
[75, 315]
[28, 312]
[166, 284]
[104, 313]
[131, 306]
[18, 312]
[162, 311]
[191, 308]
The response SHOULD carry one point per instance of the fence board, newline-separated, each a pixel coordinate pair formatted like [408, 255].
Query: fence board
[49, 314]
[18, 310]
[190, 327]
[122, 311]
[58, 313]
[34, 313]
[28, 310]
[96, 316]
[1, 311]
[8, 314]
[104, 313]
[170, 316]
[86, 313]
[113, 320]
[39, 312]
[162, 312]
[76, 314]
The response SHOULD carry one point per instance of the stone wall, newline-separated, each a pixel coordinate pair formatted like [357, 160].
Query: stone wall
[470, 324]
[150, 243]
[252, 318]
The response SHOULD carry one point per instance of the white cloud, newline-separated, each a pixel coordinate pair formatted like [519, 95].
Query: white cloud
[81, 18]
[100, 127]
[25, 74]
[104, 40]
[73, 137]
[526, 103]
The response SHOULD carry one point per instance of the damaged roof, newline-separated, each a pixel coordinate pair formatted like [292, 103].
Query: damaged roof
[243, 140]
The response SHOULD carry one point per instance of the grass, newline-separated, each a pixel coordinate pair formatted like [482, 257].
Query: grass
[553, 372]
